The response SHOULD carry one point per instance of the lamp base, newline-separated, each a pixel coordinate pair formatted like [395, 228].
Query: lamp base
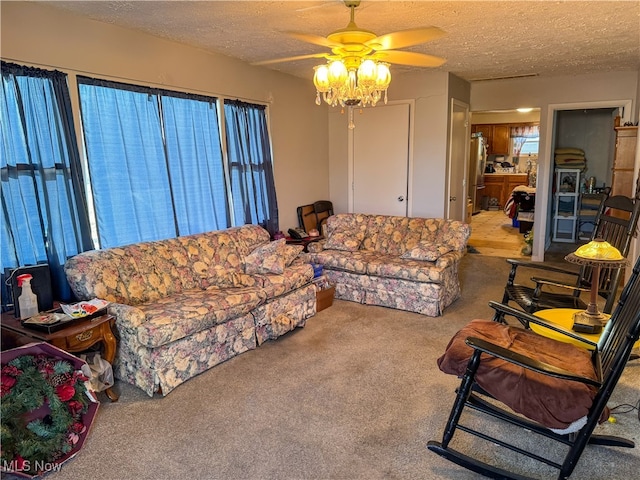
[585, 322]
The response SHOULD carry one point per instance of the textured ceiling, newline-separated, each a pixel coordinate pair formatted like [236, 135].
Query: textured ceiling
[485, 39]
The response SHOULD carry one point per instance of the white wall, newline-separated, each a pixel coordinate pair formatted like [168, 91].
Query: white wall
[430, 92]
[36, 34]
[598, 90]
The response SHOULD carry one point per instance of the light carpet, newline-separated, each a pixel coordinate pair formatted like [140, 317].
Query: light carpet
[356, 394]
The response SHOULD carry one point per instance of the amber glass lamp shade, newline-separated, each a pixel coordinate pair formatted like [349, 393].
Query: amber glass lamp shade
[597, 254]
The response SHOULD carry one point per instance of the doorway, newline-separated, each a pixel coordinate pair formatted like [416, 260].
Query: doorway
[544, 198]
[493, 231]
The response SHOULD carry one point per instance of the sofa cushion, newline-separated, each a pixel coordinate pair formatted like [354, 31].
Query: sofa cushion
[272, 257]
[155, 262]
[446, 232]
[343, 260]
[386, 234]
[426, 251]
[177, 316]
[346, 231]
[248, 238]
[392, 266]
[211, 249]
[294, 276]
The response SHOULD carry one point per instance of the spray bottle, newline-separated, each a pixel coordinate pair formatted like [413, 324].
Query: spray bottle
[27, 301]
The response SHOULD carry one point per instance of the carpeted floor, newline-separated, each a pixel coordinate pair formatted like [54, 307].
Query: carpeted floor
[356, 394]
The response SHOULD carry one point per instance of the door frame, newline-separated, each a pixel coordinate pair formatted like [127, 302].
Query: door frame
[351, 160]
[465, 163]
[542, 238]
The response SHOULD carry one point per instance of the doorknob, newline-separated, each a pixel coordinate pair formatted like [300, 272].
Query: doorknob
[401, 198]
[452, 199]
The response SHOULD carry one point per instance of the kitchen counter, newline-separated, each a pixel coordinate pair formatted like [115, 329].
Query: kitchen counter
[498, 174]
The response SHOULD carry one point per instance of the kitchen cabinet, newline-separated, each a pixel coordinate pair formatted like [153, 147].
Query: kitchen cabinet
[623, 161]
[497, 136]
[501, 139]
[493, 186]
[500, 186]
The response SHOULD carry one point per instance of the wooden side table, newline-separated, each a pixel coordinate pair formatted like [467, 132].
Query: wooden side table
[77, 337]
[563, 317]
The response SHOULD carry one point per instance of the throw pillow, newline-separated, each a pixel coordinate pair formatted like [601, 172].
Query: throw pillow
[271, 257]
[290, 253]
[426, 251]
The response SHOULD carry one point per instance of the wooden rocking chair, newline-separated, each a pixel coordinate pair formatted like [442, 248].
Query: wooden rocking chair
[554, 389]
[616, 223]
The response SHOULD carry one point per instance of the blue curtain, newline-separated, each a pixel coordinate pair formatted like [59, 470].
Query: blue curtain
[44, 219]
[155, 160]
[125, 152]
[250, 165]
[196, 168]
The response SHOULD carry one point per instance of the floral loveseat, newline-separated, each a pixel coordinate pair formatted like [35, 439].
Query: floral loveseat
[185, 304]
[399, 262]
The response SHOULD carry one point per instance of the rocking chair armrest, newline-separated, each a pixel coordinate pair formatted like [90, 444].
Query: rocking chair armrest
[527, 362]
[539, 266]
[555, 283]
[526, 318]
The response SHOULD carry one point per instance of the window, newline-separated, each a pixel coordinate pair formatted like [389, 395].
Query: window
[530, 147]
[43, 215]
[525, 140]
[250, 166]
[157, 166]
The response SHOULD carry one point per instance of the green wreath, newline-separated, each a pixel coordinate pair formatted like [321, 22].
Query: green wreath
[30, 382]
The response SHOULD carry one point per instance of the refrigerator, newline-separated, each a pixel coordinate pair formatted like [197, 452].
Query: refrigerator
[477, 163]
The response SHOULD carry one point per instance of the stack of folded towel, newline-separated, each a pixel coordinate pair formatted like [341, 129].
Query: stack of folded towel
[570, 158]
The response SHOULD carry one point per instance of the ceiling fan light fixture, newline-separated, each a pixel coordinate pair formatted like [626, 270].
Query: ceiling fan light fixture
[361, 84]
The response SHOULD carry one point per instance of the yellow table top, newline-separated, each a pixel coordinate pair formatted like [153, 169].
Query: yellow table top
[562, 317]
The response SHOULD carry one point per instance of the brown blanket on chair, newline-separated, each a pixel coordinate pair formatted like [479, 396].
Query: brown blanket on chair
[552, 402]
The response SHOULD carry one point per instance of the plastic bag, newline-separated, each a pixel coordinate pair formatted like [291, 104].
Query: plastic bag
[101, 371]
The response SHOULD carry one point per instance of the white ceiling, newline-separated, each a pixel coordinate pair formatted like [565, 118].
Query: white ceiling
[485, 39]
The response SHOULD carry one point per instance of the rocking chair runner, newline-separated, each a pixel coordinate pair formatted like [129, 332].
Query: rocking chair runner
[533, 375]
[616, 222]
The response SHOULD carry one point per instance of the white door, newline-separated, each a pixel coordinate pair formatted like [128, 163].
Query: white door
[381, 160]
[458, 161]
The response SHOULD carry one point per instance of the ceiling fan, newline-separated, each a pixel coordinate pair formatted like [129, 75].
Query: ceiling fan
[355, 43]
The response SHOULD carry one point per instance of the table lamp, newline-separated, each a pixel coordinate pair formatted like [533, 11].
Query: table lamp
[596, 254]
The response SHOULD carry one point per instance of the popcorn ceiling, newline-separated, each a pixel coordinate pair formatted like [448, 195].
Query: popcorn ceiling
[485, 40]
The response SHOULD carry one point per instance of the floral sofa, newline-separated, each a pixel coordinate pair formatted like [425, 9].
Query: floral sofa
[399, 262]
[186, 304]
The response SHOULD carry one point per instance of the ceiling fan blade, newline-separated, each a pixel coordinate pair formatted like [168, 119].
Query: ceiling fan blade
[406, 38]
[409, 58]
[314, 39]
[291, 59]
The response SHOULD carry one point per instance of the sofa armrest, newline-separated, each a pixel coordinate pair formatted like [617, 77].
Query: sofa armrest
[127, 317]
[449, 259]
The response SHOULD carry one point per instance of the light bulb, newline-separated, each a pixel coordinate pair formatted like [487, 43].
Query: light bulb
[321, 78]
